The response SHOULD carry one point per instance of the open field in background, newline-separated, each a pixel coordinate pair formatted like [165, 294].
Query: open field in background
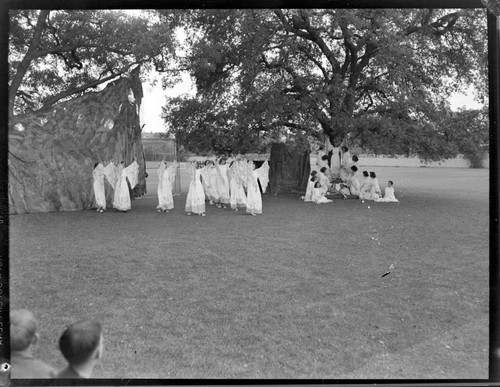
[295, 293]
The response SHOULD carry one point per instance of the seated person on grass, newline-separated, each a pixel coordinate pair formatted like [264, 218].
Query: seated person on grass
[310, 185]
[318, 196]
[324, 180]
[82, 346]
[355, 185]
[365, 180]
[388, 194]
[23, 338]
[371, 189]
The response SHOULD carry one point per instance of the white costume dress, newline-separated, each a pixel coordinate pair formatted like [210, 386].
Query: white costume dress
[263, 175]
[388, 196]
[99, 193]
[355, 187]
[254, 199]
[318, 197]
[237, 193]
[309, 190]
[345, 165]
[324, 181]
[166, 181]
[366, 189]
[195, 200]
[121, 199]
[222, 183]
[375, 192]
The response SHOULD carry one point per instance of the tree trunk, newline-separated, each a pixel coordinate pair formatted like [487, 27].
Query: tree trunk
[26, 61]
[290, 167]
[335, 162]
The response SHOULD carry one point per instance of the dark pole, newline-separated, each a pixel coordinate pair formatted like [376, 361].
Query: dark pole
[494, 90]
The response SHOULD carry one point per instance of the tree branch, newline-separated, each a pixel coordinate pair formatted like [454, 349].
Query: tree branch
[311, 35]
[52, 100]
[446, 22]
[26, 61]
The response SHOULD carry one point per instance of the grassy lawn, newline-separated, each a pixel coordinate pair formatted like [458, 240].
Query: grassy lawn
[295, 293]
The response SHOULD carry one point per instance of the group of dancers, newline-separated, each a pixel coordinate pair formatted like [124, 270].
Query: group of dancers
[348, 183]
[235, 184]
[117, 176]
[216, 182]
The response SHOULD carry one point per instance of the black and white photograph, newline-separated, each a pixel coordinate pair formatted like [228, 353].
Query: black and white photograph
[220, 193]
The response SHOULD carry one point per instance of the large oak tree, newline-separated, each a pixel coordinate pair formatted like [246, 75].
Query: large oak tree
[379, 78]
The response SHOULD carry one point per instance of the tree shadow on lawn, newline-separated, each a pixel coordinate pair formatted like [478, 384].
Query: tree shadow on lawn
[297, 292]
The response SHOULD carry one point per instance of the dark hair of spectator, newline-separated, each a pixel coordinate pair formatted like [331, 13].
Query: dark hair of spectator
[317, 184]
[390, 181]
[355, 158]
[372, 175]
[323, 169]
[324, 157]
[365, 174]
[313, 173]
[79, 341]
[354, 168]
[344, 148]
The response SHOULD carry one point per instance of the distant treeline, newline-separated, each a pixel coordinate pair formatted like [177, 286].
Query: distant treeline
[156, 149]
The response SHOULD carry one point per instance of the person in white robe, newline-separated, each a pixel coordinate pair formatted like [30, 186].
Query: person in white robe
[310, 185]
[318, 196]
[375, 192]
[324, 180]
[205, 179]
[211, 177]
[195, 200]
[345, 163]
[99, 192]
[355, 185]
[366, 188]
[323, 163]
[263, 175]
[222, 183]
[388, 193]
[237, 197]
[166, 182]
[364, 179]
[254, 198]
[371, 190]
[121, 198]
[321, 152]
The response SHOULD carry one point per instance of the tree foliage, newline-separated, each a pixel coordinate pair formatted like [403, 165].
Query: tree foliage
[377, 78]
[55, 54]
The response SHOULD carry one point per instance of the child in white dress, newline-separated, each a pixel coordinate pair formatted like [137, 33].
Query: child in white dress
[310, 185]
[121, 199]
[195, 200]
[324, 180]
[254, 199]
[388, 194]
[222, 183]
[166, 178]
[375, 191]
[318, 196]
[237, 196]
[355, 185]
